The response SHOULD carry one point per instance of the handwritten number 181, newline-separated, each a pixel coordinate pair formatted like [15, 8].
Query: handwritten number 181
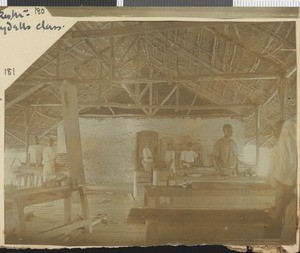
[39, 11]
[9, 71]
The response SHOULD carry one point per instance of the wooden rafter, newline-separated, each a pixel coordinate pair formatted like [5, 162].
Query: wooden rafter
[25, 95]
[193, 102]
[14, 136]
[166, 99]
[54, 59]
[274, 35]
[190, 85]
[277, 64]
[99, 57]
[189, 56]
[135, 100]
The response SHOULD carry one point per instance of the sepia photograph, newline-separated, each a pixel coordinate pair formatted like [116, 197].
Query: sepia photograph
[144, 133]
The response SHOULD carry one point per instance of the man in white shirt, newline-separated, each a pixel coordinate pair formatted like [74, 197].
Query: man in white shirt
[35, 152]
[49, 158]
[170, 158]
[225, 153]
[188, 157]
[285, 177]
[34, 159]
[147, 160]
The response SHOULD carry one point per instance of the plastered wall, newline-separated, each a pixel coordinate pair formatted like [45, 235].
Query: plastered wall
[109, 145]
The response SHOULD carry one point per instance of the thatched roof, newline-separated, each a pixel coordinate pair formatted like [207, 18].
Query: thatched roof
[159, 69]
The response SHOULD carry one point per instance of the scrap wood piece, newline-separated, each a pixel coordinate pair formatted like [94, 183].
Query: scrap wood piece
[29, 216]
[110, 193]
[96, 221]
[130, 196]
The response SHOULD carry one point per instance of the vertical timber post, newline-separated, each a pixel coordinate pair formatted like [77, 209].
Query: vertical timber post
[72, 131]
[257, 128]
[26, 119]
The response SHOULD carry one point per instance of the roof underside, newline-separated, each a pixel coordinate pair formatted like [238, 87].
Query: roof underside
[159, 69]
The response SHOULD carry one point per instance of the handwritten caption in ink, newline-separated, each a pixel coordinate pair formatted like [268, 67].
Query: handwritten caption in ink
[16, 21]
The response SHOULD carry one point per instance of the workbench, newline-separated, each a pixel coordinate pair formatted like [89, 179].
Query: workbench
[17, 200]
[240, 227]
[162, 176]
[213, 195]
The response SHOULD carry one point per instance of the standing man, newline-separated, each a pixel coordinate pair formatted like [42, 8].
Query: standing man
[35, 157]
[49, 158]
[170, 158]
[274, 152]
[35, 152]
[285, 177]
[147, 160]
[188, 157]
[225, 153]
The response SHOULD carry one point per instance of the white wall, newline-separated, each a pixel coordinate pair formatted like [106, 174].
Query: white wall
[109, 145]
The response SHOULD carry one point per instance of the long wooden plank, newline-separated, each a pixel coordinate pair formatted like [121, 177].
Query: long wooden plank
[177, 191]
[140, 215]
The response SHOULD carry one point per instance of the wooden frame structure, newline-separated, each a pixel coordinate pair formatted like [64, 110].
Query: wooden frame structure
[156, 69]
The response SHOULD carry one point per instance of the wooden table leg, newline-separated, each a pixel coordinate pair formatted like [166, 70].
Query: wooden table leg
[155, 177]
[145, 199]
[152, 232]
[156, 204]
[67, 209]
[84, 207]
[135, 184]
[19, 217]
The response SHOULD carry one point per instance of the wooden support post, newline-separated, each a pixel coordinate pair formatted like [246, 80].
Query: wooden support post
[27, 147]
[72, 132]
[177, 95]
[26, 135]
[152, 232]
[145, 198]
[67, 209]
[155, 177]
[150, 97]
[257, 126]
[19, 218]
[134, 184]
[84, 207]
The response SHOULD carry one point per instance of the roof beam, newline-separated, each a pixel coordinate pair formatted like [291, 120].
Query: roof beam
[24, 95]
[165, 116]
[161, 106]
[174, 79]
